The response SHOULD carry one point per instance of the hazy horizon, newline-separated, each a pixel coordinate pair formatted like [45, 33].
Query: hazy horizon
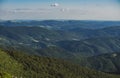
[60, 10]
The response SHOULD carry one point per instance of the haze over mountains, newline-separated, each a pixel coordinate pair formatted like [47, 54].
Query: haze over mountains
[61, 24]
[92, 44]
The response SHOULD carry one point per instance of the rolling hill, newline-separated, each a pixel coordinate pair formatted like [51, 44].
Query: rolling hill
[84, 46]
[43, 67]
[93, 46]
[41, 37]
[109, 62]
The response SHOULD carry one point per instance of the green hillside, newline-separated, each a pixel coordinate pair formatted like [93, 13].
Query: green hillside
[8, 64]
[5, 75]
[93, 46]
[80, 41]
[109, 62]
[28, 66]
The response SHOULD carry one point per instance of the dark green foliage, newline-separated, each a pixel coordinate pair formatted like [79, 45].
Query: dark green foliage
[106, 62]
[8, 64]
[93, 46]
[43, 67]
[56, 52]
[5, 75]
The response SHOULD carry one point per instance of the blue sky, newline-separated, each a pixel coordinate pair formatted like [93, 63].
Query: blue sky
[60, 9]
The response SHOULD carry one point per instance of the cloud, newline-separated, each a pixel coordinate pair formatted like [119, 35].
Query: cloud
[64, 9]
[22, 9]
[26, 10]
[54, 5]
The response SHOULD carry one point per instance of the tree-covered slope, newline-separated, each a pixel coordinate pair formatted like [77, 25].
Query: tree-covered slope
[43, 67]
[109, 62]
[93, 46]
[31, 35]
[8, 64]
[36, 38]
[56, 52]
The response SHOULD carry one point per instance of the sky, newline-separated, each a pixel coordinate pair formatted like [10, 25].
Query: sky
[60, 9]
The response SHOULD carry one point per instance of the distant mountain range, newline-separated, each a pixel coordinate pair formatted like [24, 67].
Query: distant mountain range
[61, 24]
[93, 44]
[86, 41]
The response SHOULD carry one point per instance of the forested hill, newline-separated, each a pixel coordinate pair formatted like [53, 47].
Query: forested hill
[61, 24]
[109, 62]
[18, 64]
[48, 43]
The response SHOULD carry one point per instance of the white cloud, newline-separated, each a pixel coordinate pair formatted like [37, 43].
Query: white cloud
[100, 13]
[54, 5]
[64, 9]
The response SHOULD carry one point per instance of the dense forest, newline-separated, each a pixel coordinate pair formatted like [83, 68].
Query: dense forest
[22, 65]
[59, 49]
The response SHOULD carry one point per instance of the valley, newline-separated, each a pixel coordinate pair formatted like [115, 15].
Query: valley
[60, 49]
